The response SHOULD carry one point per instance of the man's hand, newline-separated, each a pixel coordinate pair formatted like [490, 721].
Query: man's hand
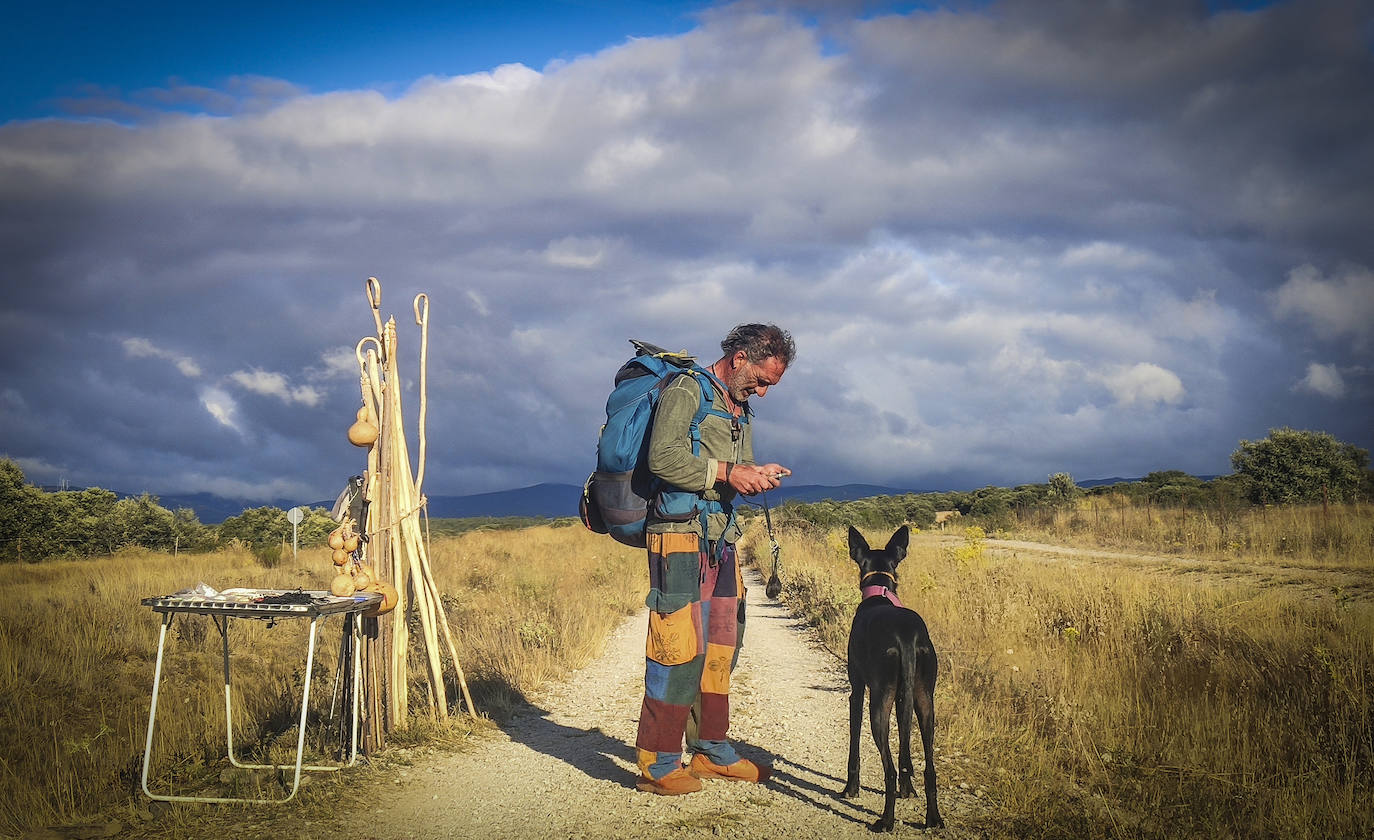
[750, 479]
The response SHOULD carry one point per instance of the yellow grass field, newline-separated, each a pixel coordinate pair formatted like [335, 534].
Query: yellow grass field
[1141, 695]
[77, 653]
[1123, 687]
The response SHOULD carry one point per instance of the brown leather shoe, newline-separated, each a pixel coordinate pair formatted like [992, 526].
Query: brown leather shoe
[675, 783]
[743, 770]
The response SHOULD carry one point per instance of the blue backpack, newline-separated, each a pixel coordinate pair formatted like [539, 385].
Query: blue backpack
[617, 497]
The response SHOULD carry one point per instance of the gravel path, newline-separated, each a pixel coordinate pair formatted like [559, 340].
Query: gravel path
[564, 767]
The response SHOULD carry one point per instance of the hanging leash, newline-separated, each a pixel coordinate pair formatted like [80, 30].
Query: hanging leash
[774, 586]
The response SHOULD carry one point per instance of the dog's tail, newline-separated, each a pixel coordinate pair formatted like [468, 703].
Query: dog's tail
[906, 677]
[893, 664]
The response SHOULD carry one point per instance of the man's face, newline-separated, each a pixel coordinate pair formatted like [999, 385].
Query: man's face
[748, 379]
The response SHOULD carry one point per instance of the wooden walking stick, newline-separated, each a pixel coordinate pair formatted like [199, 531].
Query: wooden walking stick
[373, 729]
[398, 548]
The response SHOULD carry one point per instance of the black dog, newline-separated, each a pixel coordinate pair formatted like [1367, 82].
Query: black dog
[890, 654]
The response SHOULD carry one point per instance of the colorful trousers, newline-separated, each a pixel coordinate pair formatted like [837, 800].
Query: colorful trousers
[696, 625]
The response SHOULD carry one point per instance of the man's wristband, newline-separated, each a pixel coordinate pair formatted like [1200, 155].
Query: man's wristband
[729, 465]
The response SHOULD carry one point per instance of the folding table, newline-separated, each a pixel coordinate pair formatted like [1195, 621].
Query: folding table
[268, 605]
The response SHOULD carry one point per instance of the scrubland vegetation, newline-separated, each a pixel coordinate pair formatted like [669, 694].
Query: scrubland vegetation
[1201, 665]
[1092, 698]
[1084, 696]
[77, 653]
[37, 525]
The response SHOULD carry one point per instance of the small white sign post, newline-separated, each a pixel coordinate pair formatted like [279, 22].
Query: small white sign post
[294, 516]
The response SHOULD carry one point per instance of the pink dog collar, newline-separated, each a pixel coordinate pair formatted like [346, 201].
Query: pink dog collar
[870, 591]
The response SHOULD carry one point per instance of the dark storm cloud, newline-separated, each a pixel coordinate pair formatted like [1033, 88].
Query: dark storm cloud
[1011, 239]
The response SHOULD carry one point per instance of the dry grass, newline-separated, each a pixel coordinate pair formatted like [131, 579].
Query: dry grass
[1096, 702]
[77, 653]
[528, 605]
[1310, 536]
[1090, 700]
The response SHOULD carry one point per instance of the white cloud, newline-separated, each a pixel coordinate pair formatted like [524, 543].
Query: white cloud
[1200, 318]
[1143, 383]
[306, 395]
[479, 302]
[335, 363]
[576, 252]
[507, 78]
[618, 161]
[139, 348]
[1334, 307]
[825, 137]
[222, 407]
[977, 224]
[231, 488]
[1110, 255]
[1021, 361]
[1325, 380]
[142, 348]
[38, 471]
[276, 385]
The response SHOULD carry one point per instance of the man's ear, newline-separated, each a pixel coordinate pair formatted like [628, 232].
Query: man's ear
[740, 358]
[857, 545]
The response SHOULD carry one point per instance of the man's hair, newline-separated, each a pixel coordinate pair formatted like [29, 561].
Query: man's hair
[759, 342]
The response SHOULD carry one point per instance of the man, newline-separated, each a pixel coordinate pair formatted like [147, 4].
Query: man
[696, 596]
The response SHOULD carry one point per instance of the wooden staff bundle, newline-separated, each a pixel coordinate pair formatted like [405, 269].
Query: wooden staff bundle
[396, 546]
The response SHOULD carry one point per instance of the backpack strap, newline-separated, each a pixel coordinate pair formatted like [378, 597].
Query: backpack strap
[708, 383]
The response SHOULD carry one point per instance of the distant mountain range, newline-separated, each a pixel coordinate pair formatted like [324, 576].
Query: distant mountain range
[548, 500]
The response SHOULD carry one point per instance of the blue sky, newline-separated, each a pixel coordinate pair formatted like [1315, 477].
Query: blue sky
[121, 48]
[1011, 238]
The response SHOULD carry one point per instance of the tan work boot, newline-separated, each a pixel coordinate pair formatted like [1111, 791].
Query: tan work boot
[743, 770]
[675, 783]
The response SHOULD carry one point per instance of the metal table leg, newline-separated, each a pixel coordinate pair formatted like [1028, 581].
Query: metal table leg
[152, 711]
[222, 623]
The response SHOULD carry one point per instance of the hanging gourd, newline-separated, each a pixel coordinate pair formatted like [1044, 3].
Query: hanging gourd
[342, 585]
[389, 598]
[363, 432]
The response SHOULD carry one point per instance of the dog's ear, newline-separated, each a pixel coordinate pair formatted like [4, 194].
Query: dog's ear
[857, 545]
[896, 546]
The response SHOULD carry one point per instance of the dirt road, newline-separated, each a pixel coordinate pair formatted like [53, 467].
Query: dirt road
[564, 767]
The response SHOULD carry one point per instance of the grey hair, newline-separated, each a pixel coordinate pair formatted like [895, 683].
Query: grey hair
[759, 342]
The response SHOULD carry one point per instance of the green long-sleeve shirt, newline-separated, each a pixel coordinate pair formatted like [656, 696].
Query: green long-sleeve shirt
[671, 458]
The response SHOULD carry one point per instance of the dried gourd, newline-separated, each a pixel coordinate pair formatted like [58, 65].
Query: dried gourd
[342, 585]
[364, 431]
[389, 598]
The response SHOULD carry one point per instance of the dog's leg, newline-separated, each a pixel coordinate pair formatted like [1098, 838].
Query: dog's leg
[856, 711]
[925, 711]
[880, 721]
[906, 691]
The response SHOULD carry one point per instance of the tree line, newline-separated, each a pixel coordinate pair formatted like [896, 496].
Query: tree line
[1287, 467]
[39, 525]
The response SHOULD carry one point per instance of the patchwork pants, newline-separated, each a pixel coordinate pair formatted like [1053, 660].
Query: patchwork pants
[696, 625]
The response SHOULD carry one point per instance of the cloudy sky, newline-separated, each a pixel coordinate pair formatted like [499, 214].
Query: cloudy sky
[1010, 238]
